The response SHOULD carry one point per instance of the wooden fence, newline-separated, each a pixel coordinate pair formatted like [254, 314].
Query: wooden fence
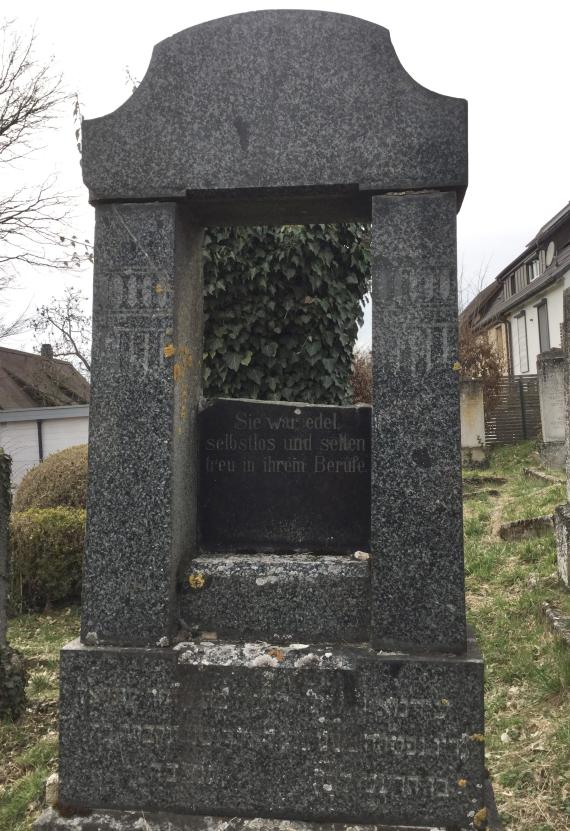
[514, 413]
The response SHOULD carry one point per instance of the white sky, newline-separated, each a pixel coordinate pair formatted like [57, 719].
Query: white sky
[509, 59]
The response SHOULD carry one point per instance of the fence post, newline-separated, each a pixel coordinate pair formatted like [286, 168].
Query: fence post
[523, 414]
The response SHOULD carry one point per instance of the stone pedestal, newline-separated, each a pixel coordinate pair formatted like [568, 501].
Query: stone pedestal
[550, 373]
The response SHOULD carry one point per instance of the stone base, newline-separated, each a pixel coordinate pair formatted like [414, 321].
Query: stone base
[279, 598]
[315, 733]
[562, 531]
[553, 454]
[52, 820]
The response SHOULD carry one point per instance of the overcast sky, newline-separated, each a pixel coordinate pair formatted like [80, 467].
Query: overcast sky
[509, 60]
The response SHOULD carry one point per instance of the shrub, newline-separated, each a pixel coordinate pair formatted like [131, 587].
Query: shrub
[361, 378]
[60, 480]
[47, 556]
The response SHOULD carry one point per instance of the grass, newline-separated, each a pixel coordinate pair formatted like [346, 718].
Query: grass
[527, 668]
[28, 748]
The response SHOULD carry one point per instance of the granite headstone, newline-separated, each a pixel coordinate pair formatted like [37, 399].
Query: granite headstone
[270, 670]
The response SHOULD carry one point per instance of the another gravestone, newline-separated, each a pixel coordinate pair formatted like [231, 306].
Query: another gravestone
[562, 513]
[550, 374]
[12, 668]
[268, 633]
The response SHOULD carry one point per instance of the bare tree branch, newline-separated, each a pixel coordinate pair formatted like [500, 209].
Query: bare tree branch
[67, 327]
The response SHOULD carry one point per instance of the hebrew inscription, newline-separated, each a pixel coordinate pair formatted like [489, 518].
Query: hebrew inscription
[284, 477]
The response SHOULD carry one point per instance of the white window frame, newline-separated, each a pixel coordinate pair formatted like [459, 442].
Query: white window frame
[522, 342]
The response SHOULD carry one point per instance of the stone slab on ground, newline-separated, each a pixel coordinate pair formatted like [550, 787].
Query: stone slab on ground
[337, 733]
[561, 531]
[278, 598]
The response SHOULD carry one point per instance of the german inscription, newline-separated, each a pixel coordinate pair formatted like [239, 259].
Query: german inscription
[284, 477]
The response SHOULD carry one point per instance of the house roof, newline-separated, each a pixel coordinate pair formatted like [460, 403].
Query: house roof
[557, 269]
[489, 304]
[31, 380]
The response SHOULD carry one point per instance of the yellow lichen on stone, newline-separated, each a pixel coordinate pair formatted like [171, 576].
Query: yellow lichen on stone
[477, 737]
[462, 783]
[197, 581]
[159, 288]
[456, 366]
[278, 654]
[169, 350]
[480, 819]
[444, 702]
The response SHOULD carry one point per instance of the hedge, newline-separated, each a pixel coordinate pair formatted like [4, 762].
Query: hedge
[47, 556]
[60, 480]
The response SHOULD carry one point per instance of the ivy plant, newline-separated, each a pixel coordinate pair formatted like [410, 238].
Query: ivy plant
[282, 309]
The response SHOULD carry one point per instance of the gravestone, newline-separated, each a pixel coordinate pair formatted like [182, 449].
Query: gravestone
[13, 673]
[562, 513]
[550, 374]
[273, 621]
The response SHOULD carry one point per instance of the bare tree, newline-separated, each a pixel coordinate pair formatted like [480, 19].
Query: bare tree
[34, 220]
[64, 323]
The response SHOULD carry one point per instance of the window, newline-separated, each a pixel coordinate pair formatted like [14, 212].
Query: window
[543, 331]
[513, 284]
[532, 270]
[521, 338]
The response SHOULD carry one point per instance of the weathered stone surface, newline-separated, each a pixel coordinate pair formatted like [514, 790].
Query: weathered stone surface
[279, 598]
[550, 374]
[561, 531]
[144, 821]
[146, 376]
[277, 476]
[251, 729]
[308, 101]
[417, 534]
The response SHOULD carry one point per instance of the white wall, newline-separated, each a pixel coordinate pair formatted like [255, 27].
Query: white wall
[553, 297]
[20, 440]
[58, 434]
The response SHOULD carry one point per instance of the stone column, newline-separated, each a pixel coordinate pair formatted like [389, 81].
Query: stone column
[146, 382]
[417, 531]
[5, 467]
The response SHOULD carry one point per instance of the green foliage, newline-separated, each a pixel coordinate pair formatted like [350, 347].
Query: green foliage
[60, 480]
[47, 556]
[282, 309]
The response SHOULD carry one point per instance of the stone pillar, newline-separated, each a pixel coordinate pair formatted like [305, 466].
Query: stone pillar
[417, 531]
[146, 382]
[4, 519]
[550, 374]
[562, 512]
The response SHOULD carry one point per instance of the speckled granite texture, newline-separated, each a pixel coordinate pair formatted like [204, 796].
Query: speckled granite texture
[301, 100]
[146, 380]
[251, 729]
[417, 531]
[279, 598]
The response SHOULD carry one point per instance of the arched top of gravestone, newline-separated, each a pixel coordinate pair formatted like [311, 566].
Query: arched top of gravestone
[277, 103]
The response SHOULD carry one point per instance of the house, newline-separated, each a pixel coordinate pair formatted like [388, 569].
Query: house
[43, 407]
[522, 309]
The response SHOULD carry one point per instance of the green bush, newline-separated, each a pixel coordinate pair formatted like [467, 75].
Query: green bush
[60, 480]
[282, 306]
[47, 556]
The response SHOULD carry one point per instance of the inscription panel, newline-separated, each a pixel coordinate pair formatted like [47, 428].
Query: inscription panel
[284, 477]
[256, 730]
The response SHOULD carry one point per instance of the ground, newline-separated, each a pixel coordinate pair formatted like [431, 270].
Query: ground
[527, 667]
